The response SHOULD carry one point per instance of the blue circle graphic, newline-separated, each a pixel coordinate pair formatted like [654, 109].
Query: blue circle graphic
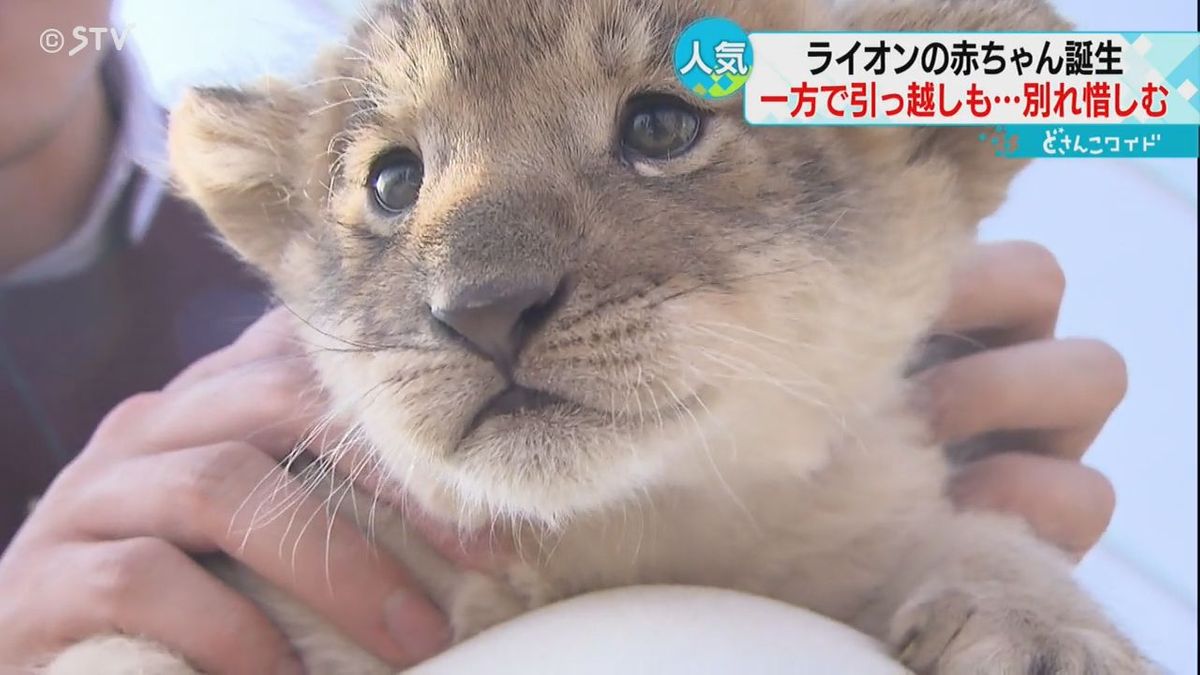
[714, 58]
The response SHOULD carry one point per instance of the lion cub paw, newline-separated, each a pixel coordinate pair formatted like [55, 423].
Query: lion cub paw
[952, 631]
[479, 603]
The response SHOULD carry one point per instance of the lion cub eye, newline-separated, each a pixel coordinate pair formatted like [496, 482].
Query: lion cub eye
[396, 180]
[659, 127]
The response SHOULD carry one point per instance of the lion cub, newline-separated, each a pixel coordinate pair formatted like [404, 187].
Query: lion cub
[554, 290]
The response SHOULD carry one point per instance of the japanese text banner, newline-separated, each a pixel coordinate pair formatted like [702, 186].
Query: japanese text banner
[974, 78]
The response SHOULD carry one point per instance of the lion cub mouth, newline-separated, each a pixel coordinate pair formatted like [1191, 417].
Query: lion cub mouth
[514, 401]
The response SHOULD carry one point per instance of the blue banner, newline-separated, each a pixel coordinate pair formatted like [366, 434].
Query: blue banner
[1094, 140]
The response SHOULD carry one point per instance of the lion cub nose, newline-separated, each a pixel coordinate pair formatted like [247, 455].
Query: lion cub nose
[496, 319]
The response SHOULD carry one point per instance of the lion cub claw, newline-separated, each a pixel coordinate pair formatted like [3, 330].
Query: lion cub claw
[957, 630]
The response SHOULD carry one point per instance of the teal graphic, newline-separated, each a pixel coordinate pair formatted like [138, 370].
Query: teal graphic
[1113, 141]
[1174, 58]
[713, 58]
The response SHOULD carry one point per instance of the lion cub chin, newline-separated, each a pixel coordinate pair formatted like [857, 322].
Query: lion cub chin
[556, 292]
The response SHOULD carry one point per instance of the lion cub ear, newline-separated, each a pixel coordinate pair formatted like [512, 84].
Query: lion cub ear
[983, 177]
[233, 153]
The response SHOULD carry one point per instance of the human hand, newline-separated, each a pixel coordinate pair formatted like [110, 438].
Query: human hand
[183, 471]
[1034, 401]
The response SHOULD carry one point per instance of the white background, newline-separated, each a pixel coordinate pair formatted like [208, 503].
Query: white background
[1125, 231]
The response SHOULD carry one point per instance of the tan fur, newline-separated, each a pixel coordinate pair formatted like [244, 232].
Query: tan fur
[736, 336]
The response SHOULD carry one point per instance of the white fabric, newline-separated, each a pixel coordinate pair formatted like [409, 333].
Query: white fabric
[667, 630]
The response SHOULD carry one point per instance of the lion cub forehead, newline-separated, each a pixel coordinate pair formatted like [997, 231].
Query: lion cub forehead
[413, 45]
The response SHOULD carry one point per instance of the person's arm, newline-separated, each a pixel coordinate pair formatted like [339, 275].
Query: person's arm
[55, 127]
[189, 470]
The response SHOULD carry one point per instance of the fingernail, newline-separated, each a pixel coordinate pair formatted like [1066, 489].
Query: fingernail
[291, 666]
[416, 625]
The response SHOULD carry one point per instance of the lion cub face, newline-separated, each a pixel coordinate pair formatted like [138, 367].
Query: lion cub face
[544, 275]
